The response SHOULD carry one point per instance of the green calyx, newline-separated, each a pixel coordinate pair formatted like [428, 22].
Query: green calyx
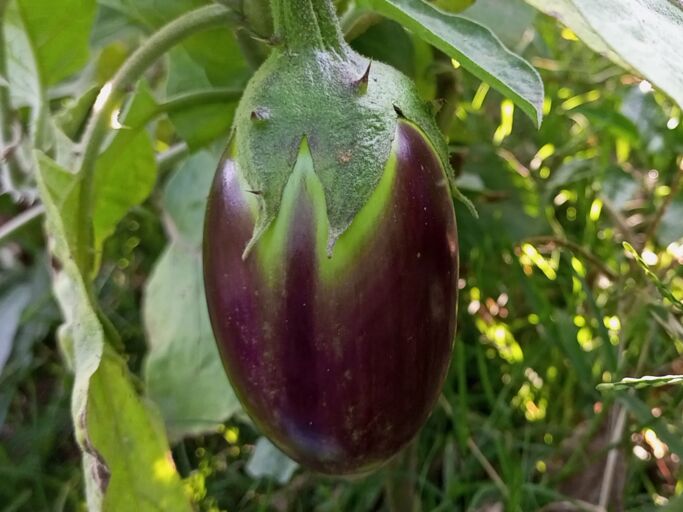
[314, 86]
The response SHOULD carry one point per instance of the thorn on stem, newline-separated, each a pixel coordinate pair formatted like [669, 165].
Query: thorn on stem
[362, 82]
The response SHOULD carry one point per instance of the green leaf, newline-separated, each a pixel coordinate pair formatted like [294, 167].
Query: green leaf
[474, 46]
[22, 69]
[566, 12]
[671, 228]
[23, 74]
[125, 173]
[126, 458]
[190, 68]
[663, 290]
[508, 19]
[185, 198]
[647, 35]
[451, 5]
[648, 381]
[576, 355]
[153, 13]
[12, 304]
[176, 316]
[59, 35]
[267, 461]
[400, 53]
[131, 442]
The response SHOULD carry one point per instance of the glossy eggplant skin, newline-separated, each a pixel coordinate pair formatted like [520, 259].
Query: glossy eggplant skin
[338, 363]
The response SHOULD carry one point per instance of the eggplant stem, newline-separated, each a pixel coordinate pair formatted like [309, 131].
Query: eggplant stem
[307, 24]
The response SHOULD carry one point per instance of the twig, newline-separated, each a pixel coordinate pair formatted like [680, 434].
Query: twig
[488, 468]
[9, 228]
[197, 98]
[619, 220]
[169, 158]
[574, 247]
[618, 429]
[11, 145]
[447, 90]
[612, 457]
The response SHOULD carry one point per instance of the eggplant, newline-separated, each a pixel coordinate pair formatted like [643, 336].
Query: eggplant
[330, 250]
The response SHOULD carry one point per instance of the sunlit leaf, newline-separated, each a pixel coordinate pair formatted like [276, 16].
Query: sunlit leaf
[125, 172]
[663, 289]
[647, 35]
[474, 46]
[126, 457]
[567, 13]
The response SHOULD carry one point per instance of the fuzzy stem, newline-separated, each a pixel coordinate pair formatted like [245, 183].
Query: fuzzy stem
[111, 96]
[11, 227]
[8, 140]
[302, 24]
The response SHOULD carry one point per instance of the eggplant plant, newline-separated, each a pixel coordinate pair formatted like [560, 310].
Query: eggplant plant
[330, 250]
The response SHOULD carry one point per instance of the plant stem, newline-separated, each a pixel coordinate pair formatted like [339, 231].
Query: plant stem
[110, 97]
[576, 248]
[9, 228]
[399, 488]
[168, 159]
[197, 98]
[258, 29]
[307, 24]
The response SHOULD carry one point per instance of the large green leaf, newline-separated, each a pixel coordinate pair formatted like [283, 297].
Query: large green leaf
[127, 462]
[191, 68]
[646, 35]
[476, 48]
[125, 173]
[176, 316]
[566, 12]
[59, 34]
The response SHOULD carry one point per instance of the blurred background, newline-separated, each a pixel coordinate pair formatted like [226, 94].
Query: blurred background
[571, 280]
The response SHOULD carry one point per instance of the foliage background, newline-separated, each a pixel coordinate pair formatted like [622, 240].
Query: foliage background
[571, 276]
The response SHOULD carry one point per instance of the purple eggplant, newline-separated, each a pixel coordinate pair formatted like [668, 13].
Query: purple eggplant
[331, 254]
